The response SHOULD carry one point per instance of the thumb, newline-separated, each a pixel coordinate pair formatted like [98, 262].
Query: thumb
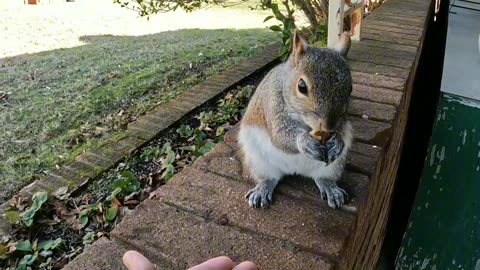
[136, 261]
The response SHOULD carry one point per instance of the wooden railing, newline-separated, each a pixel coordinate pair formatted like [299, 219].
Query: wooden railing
[338, 10]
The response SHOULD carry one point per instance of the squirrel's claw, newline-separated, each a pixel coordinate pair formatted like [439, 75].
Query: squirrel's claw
[334, 195]
[260, 196]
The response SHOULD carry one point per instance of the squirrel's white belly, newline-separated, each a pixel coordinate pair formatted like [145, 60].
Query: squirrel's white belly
[265, 160]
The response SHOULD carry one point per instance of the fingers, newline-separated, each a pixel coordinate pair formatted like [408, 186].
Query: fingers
[246, 266]
[136, 261]
[218, 263]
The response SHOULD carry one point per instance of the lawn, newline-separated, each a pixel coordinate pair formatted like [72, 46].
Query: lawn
[59, 102]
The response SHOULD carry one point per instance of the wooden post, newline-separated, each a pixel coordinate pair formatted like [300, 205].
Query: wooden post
[356, 28]
[336, 14]
[335, 21]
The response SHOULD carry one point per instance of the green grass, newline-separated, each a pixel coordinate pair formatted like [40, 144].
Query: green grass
[64, 101]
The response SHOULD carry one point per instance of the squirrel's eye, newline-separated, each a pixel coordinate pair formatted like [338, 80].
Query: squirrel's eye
[302, 87]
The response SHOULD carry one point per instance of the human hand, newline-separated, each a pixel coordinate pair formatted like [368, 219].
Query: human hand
[136, 261]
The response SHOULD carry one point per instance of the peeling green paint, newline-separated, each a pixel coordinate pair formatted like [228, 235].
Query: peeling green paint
[444, 226]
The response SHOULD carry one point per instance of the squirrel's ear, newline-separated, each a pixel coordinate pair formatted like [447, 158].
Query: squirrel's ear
[343, 44]
[299, 45]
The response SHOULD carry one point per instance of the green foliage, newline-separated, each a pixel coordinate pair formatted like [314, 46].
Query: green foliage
[49, 244]
[24, 246]
[87, 211]
[26, 261]
[12, 216]
[128, 183]
[95, 213]
[39, 199]
[185, 131]
[315, 11]
[111, 203]
[167, 162]
[51, 125]
[285, 28]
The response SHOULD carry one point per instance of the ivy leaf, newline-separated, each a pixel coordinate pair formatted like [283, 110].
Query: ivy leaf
[56, 243]
[132, 183]
[113, 195]
[26, 261]
[49, 244]
[169, 172]
[220, 131]
[83, 216]
[166, 148]
[39, 199]
[111, 213]
[128, 183]
[12, 216]
[24, 246]
[190, 148]
[206, 148]
[168, 159]
[45, 245]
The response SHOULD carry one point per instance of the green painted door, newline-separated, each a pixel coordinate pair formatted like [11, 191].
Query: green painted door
[444, 227]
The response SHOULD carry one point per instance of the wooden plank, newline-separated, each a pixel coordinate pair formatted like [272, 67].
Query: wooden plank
[363, 158]
[444, 227]
[379, 59]
[370, 132]
[393, 25]
[400, 20]
[409, 31]
[387, 45]
[376, 69]
[378, 80]
[380, 51]
[384, 36]
[377, 94]
[372, 110]
[392, 34]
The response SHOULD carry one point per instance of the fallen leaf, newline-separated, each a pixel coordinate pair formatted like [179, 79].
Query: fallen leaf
[47, 221]
[116, 202]
[131, 202]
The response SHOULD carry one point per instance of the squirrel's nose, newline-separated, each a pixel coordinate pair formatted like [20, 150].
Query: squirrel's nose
[325, 125]
[329, 124]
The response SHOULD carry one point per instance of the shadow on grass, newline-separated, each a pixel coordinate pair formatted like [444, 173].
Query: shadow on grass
[61, 102]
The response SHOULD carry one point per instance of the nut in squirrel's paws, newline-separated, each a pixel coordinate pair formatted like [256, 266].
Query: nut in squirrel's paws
[320, 135]
[332, 141]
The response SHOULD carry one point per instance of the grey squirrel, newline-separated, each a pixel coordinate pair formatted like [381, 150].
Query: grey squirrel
[309, 91]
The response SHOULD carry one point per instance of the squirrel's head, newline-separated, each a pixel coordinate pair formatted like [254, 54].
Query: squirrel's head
[319, 83]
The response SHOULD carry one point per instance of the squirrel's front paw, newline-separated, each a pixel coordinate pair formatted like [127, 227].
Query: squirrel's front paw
[260, 196]
[311, 147]
[334, 195]
[334, 148]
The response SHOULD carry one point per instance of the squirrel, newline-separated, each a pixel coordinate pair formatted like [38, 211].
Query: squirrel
[309, 91]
